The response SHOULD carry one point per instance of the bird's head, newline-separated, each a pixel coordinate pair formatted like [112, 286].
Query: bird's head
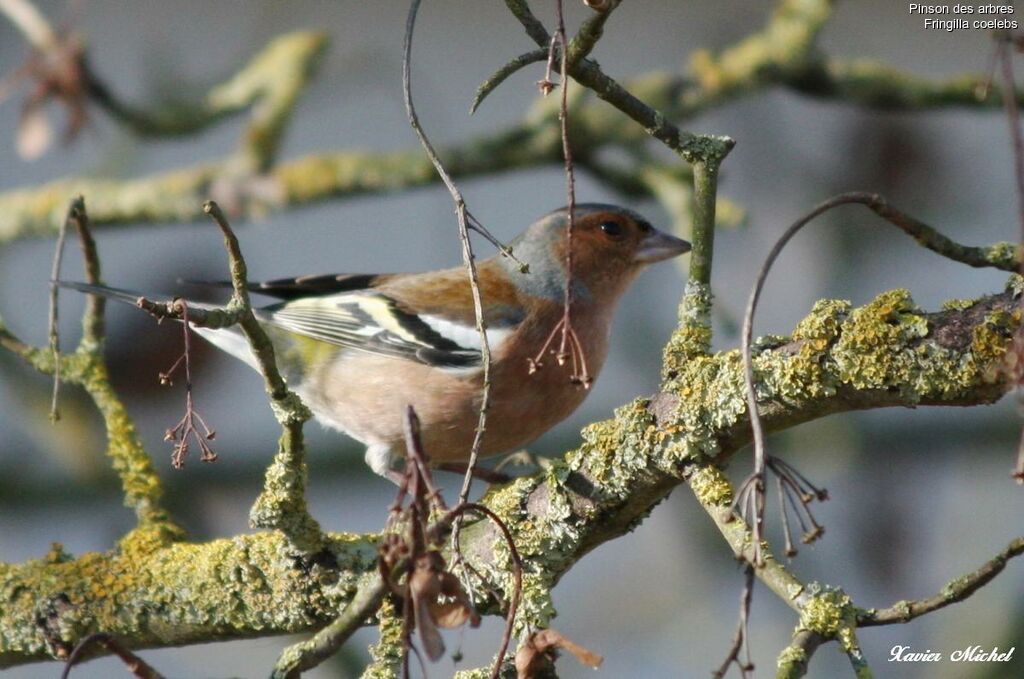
[610, 245]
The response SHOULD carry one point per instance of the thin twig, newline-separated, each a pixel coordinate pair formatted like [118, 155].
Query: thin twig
[503, 73]
[186, 428]
[691, 147]
[956, 591]
[136, 665]
[54, 333]
[259, 343]
[569, 346]
[517, 577]
[310, 653]
[740, 638]
[1013, 118]
[590, 31]
[282, 503]
[570, 185]
[92, 318]
[468, 257]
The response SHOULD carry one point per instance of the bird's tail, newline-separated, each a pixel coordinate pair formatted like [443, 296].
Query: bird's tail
[230, 340]
[127, 296]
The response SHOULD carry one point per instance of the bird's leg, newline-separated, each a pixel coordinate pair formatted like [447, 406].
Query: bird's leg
[487, 475]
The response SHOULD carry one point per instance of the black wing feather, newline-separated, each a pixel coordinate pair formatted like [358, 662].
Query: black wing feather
[306, 286]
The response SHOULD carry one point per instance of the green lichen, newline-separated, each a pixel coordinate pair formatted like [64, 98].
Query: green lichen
[826, 611]
[57, 554]
[1015, 284]
[156, 593]
[282, 504]
[873, 351]
[955, 587]
[615, 451]
[958, 304]
[478, 673]
[1004, 255]
[711, 486]
[800, 372]
[792, 655]
[824, 321]
[387, 652]
[990, 339]
[545, 536]
[693, 337]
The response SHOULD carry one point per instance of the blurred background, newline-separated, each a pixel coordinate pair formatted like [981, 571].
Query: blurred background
[918, 496]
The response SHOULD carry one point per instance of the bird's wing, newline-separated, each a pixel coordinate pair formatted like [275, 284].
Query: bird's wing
[308, 286]
[375, 322]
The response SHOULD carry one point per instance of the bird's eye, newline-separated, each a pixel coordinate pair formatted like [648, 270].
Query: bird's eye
[612, 228]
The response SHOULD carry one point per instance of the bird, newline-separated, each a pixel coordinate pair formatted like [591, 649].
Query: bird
[359, 349]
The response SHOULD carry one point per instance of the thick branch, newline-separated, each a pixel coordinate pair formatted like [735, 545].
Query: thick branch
[887, 353]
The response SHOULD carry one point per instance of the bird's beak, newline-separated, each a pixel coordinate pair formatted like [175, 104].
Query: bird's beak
[658, 245]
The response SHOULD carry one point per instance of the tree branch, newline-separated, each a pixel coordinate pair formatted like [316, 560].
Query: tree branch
[744, 69]
[954, 592]
[887, 353]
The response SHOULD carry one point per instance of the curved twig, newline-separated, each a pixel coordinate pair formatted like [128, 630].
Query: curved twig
[468, 256]
[503, 73]
[580, 46]
[517, 575]
[136, 665]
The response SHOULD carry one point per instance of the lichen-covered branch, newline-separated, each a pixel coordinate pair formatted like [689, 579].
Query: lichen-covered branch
[154, 595]
[746, 68]
[87, 369]
[282, 504]
[325, 643]
[274, 78]
[179, 195]
[887, 353]
[693, 148]
[794, 659]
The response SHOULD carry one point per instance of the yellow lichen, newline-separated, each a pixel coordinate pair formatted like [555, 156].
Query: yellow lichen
[826, 612]
[711, 486]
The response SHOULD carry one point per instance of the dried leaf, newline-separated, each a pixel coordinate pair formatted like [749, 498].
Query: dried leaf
[455, 613]
[424, 588]
[452, 614]
[538, 651]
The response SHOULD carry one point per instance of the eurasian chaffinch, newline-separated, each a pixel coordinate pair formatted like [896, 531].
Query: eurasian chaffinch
[359, 349]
